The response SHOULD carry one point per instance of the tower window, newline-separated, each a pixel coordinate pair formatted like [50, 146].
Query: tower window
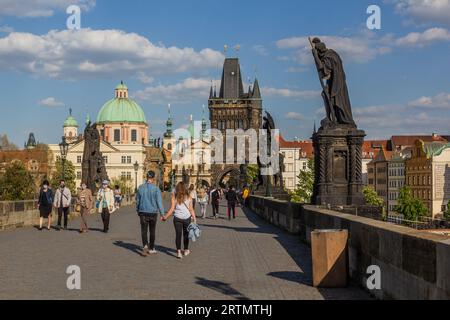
[117, 135]
[133, 135]
[169, 147]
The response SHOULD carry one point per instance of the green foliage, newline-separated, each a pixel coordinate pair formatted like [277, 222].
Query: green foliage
[16, 183]
[69, 175]
[252, 173]
[372, 198]
[447, 213]
[304, 189]
[411, 208]
[125, 185]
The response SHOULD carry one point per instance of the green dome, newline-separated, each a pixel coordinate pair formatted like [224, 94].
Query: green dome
[70, 122]
[121, 109]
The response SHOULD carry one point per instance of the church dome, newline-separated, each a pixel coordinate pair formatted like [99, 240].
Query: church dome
[121, 109]
[70, 121]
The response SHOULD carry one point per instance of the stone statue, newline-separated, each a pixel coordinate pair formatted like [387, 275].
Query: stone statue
[335, 92]
[93, 167]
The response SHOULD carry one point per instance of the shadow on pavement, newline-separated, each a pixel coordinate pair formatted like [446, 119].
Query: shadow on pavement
[138, 249]
[221, 287]
[293, 246]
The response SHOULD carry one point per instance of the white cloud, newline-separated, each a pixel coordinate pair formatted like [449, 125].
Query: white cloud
[50, 102]
[424, 10]
[72, 54]
[421, 39]
[261, 50]
[6, 29]
[289, 93]
[40, 8]
[441, 101]
[145, 78]
[294, 116]
[191, 89]
[358, 49]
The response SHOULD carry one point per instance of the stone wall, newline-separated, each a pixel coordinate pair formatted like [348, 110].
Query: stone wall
[18, 214]
[414, 264]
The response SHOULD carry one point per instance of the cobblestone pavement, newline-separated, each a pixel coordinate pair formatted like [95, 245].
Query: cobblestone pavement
[242, 259]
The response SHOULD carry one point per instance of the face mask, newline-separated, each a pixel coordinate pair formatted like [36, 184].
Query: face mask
[63, 186]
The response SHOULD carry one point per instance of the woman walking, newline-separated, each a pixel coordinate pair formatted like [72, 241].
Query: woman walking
[184, 214]
[45, 205]
[117, 197]
[202, 199]
[105, 204]
[86, 203]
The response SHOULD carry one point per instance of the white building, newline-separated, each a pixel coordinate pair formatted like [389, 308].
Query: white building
[296, 156]
[122, 125]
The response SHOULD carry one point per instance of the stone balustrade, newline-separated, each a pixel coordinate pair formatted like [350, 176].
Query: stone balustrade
[414, 264]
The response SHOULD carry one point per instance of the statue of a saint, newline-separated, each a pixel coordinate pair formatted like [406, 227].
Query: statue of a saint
[335, 92]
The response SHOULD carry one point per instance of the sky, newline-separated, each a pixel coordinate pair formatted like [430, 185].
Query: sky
[170, 51]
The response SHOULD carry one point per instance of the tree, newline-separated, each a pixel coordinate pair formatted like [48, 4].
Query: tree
[252, 173]
[125, 184]
[16, 183]
[5, 144]
[69, 175]
[372, 198]
[447, 213]
[411, 208]
[304, 189]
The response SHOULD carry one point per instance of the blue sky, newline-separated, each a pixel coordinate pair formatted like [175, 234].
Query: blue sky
[169, 51]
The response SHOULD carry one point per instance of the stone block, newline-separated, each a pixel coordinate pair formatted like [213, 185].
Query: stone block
[419, 257]
[390, 247]
[443, 267]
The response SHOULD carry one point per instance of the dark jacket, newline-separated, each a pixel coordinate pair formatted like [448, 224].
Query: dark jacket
[231, 197]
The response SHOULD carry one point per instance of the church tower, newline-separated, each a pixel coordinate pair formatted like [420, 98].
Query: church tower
[169, 138]
[71, 128]
[233, 108]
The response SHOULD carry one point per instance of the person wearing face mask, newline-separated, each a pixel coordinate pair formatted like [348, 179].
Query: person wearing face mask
[105, 204]
[86, 202]
[62, 201]
[45, 203]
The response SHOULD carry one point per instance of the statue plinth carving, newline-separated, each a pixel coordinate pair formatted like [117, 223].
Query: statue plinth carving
[338, 142]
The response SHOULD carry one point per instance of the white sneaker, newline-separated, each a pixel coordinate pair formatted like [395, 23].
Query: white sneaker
[179, 255]
[152, 251]
[187, 252]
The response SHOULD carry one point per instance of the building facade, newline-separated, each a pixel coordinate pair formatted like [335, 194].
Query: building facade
[124, 130]
[428, 175]
[296, 155]
[233, 108]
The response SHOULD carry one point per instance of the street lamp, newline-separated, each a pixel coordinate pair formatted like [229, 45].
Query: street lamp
[64, 148]
[136, 169]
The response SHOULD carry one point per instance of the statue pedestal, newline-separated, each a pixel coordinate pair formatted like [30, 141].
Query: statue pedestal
[338, 165]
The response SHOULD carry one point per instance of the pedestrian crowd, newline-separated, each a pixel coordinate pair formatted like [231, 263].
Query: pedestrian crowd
[149, 207]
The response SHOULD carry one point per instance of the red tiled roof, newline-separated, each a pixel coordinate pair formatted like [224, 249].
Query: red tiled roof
[406, 141]
[371, 148]
[304, 146]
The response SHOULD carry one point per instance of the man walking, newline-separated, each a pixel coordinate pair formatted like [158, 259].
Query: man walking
[86, 203]
[214, 199]
[232, 199]
[148, 205]
[62, 201]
